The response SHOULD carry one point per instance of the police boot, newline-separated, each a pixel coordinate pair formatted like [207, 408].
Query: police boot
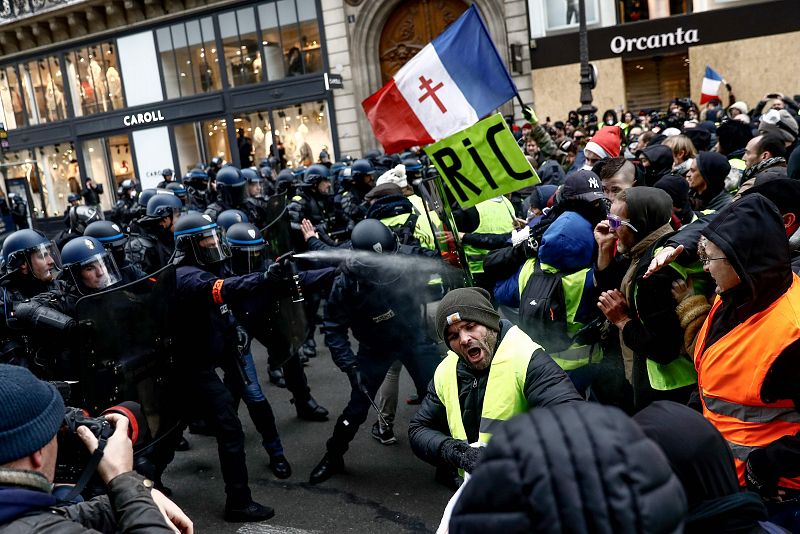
[280, 466]
[276, 377]
[309, 348]
[326, 468]
[247, 513]
[309, 410]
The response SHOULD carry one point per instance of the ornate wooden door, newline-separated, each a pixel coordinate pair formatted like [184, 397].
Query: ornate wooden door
[412, 25]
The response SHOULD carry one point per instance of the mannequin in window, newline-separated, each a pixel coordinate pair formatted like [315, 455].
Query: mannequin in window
[97, 80]
[206, 76]
[295, 60]
[114, 87]
[54, 101]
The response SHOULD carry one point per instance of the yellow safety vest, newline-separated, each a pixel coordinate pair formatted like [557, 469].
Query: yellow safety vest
[421, 228]
[496, 217]
[505, 389]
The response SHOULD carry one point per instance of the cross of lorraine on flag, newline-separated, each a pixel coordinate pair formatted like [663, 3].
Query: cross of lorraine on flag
[711, 82]
[449, 85]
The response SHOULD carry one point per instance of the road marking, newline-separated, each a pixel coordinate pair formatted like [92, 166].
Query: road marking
[263, 528]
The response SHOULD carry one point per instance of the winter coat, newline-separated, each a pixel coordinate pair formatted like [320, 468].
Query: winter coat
[546, 384]
[660, 157]
[128, 508]
[577, 468]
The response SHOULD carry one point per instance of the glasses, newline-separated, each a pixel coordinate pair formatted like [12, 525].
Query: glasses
[706, 260]
[615, 222]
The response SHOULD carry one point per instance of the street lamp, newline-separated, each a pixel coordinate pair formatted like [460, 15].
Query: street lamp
[587, 72]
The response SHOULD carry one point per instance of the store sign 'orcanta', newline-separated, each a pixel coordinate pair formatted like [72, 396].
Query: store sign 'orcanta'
[143, 118]
[620, 44]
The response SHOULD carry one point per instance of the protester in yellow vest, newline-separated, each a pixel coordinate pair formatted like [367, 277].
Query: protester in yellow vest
[492, 372]
[748, 350]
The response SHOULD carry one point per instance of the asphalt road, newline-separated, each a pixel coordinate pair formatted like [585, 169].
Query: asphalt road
[385, 489]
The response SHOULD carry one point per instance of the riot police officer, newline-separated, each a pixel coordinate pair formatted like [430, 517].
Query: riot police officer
[179, 191]
[231, 191]
[19, 211]
[114, 239]
[213, 167]
[248, 255]
[152, 246]
[361, 180]
[139, 209]
[255, 204]
[210, 337]
[196, 182]
[122, 212]
[285, 182]
[167, 176]
[228, 218]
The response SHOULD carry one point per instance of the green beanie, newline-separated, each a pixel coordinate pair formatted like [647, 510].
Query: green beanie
[469, 304]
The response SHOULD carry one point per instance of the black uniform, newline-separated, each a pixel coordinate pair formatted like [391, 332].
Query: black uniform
[150, 248]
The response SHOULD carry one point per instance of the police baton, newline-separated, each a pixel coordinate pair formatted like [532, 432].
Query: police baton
[363, 389]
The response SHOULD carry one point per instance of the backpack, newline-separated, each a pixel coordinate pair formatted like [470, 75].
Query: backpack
[543, 310]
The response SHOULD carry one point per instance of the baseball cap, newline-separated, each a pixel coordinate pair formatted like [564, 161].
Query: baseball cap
[582, 185]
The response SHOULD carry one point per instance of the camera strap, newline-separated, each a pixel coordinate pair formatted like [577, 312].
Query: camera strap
[88, 471]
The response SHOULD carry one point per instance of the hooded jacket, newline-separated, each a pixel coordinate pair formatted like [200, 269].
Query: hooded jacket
[546, 384]
[713, 168]
[578, 468]
[703, 462]
[660, 157]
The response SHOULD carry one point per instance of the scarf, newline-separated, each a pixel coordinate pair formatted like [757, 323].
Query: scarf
[761, 165]
[627, 284]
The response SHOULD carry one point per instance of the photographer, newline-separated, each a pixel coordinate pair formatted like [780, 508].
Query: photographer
[31, 413]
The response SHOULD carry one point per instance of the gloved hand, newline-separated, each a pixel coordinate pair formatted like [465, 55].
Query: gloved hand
[242, 340]
[356, 378]
[530, 115]
[460, 455]
[759, 476]
[276, 273]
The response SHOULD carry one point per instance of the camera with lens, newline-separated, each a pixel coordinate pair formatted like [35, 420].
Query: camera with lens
[73, 456]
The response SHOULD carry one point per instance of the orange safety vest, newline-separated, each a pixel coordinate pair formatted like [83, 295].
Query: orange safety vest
[730, 374]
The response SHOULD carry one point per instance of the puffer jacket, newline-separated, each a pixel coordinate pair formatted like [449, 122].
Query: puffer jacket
[578, 468]
[26, 508]
[546, 384]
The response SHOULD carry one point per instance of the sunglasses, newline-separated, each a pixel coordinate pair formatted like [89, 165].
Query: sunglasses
[615, 222]
[705, 260]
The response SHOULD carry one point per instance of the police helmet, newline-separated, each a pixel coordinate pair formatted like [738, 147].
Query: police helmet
[284, 181]
[264, 163]
[178, 189]
[108, 233]
[90, 267]
[324, 156]
[82, 216]
[126, 185]
[247, 248]
[362, 167]
[167, 173]
[230, 217]
[73, 197]
[216, 162]
[145, 196]
[32, 248]
[161, 206]
[197, 178]
[198, 239]
[373, 154]
[231, 185]
[412, 164]
[315, 174]
[373, 236]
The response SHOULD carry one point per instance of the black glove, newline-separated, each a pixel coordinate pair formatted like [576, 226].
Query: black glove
[531, 248]
[356, 378]
[242, 340]
[276, 273]
[759, 476]
[460, 455]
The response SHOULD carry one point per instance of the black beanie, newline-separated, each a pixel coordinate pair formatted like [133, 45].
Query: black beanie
[466, 304]
[714, 168]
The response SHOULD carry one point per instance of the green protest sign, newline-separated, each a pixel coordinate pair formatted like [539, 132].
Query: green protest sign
[482, 162]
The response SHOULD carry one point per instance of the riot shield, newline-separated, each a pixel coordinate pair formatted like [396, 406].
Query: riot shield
[126, 350]
[277, 232]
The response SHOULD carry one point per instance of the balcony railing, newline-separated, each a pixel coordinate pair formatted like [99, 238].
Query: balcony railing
[14, 10]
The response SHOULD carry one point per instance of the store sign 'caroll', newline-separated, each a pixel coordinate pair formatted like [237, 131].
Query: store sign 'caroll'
[143, 118]
[679, 37]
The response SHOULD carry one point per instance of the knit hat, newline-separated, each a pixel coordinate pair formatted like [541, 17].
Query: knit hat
[741, 106]
[31, 412]
[700, 138]
[466, 304]
[394, 176]
[780, 123]
[714, 168]
[605, 143]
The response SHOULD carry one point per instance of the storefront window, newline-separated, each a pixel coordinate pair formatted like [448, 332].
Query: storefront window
[119, 149]
[188, 141]
[257, 131]
[10, 99]
[22, 177]
[189, 58]
[95, 82]
[44, 90]
[58, 172]
[290, 37]
[216, 139]
[304, 131]
[636, 10]
[98, 168]
[240, 41]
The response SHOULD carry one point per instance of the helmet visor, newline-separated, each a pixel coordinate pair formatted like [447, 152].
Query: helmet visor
[255, 189]
[209, 246]
[44, 261]
[248, 259]
[95, 274]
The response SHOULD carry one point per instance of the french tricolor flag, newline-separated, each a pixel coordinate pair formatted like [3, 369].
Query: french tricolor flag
[711, 82]
[449, 85]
